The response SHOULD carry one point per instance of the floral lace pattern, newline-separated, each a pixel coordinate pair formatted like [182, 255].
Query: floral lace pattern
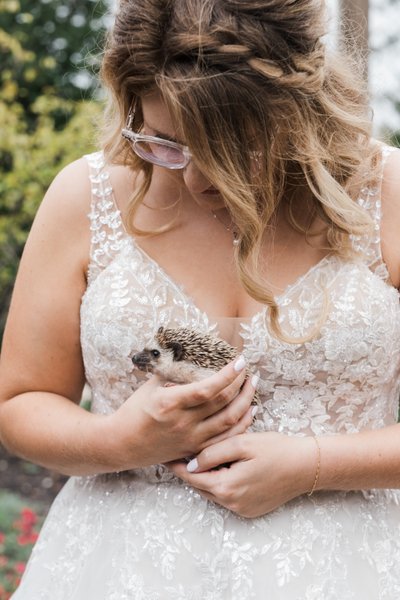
[146, 535]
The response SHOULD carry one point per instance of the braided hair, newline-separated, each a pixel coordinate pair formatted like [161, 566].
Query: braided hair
[245, 77]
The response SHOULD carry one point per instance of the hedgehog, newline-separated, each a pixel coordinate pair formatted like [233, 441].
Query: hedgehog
[182, 355]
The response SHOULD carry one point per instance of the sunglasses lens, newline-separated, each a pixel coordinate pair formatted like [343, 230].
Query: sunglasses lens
[160, 154]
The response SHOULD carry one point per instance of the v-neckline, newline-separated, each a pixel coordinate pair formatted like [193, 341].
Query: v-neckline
[279, 299]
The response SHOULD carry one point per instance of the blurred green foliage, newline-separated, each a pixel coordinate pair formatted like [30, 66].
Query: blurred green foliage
[48, 53]
[50, 46]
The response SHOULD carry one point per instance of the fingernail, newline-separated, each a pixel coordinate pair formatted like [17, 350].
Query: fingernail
[254, 381]
[254, 411]
[239, 364]
[192, 465]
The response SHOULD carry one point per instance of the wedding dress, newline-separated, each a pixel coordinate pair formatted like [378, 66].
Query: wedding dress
[144, 535]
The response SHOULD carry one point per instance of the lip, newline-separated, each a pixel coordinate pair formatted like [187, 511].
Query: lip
[211, 190]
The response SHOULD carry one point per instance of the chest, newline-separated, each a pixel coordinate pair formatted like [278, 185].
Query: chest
[332, 374]
[201, 259]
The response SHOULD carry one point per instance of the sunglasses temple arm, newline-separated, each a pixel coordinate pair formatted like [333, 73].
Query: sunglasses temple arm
[131, 115]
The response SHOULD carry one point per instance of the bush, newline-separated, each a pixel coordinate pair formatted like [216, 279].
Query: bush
[50, 54]
[19, 527]
[29, 160]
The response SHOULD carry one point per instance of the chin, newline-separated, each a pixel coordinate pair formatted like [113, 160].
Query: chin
[210, 201]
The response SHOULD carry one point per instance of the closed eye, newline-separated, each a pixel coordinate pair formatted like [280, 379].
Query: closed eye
[164, 136]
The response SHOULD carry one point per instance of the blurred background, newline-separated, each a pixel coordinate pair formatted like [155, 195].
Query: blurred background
[50, 99]
[50, 108]
[50, 111]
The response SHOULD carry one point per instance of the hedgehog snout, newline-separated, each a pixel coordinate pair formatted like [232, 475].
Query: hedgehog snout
[145, 360]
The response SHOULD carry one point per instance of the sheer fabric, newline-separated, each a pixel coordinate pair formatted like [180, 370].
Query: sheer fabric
[145, 535]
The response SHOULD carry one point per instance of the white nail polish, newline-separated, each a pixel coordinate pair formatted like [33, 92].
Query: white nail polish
[239, 364]
[254, 381]
[192, 465]
[254, 411]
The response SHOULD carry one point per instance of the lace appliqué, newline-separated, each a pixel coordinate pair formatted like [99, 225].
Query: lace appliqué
[105, 218]
[370, 199]
[143, 534]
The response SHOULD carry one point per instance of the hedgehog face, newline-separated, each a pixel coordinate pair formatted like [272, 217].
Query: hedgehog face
[156, 359]
[146, 360]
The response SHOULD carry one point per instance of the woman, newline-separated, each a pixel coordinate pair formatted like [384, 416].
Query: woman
[243, 197]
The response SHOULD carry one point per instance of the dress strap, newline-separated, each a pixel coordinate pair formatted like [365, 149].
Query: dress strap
[107, 230]
[370, 199]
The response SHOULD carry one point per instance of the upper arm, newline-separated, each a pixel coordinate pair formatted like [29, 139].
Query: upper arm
[390, 224]
[41, 345]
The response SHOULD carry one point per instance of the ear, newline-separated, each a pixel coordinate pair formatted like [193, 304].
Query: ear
[160, 329]
[177, 349]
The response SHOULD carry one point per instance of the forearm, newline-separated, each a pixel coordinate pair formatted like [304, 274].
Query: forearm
[156, 424]
[52, 431]
[370, 459]
[269, 469]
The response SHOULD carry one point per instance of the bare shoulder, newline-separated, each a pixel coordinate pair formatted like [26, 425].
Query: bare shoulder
[72, 183]
[41, 345]
[390, 225]
[63, 212]
[124, 182]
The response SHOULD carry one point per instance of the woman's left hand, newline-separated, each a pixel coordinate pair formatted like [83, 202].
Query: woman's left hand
[266, 470]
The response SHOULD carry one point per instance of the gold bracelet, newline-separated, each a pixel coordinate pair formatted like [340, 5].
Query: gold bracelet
[317, 470]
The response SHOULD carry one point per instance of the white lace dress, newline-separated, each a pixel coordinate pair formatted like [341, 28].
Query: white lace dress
[146, 535]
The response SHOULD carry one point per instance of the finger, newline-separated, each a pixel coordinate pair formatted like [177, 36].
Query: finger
[221, 400]
[223, 453]
[231, 415]
[177, 396]
[241, 427]
[204, 481]
[207, 389]
[204, 492]
[177, 466]
[153, 381]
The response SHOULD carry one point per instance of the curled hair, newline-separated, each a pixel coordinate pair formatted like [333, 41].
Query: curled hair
[245, 76]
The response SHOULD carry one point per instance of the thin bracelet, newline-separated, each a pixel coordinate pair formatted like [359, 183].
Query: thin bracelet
[317, 470]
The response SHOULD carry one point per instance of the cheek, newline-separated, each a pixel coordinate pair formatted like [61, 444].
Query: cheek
[173, 178]
[169, 181]
[170, 361]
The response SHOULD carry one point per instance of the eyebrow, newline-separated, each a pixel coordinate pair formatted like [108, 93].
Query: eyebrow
[164, 136]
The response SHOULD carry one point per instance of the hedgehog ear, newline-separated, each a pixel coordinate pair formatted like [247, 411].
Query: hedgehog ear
[177, 349]
[160, 329]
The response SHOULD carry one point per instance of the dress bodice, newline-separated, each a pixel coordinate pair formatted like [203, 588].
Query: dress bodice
[343, 379]
[144, 533]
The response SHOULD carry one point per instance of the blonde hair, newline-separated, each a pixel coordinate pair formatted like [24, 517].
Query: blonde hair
[241, 77]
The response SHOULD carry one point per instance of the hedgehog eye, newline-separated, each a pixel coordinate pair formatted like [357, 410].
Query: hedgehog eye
[155, 353]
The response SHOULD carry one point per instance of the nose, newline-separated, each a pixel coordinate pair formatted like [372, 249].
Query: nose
[195, 181]
[141, 359]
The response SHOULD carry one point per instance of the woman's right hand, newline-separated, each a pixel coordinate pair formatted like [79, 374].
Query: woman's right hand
[161, 423]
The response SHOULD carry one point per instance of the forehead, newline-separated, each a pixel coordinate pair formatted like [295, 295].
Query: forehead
[156, 114]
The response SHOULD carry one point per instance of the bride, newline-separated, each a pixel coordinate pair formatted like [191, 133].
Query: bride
[237, 191]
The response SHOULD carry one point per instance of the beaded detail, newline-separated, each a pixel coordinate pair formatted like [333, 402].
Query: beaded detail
[370, 199]
[105, 218]
[143, 535]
